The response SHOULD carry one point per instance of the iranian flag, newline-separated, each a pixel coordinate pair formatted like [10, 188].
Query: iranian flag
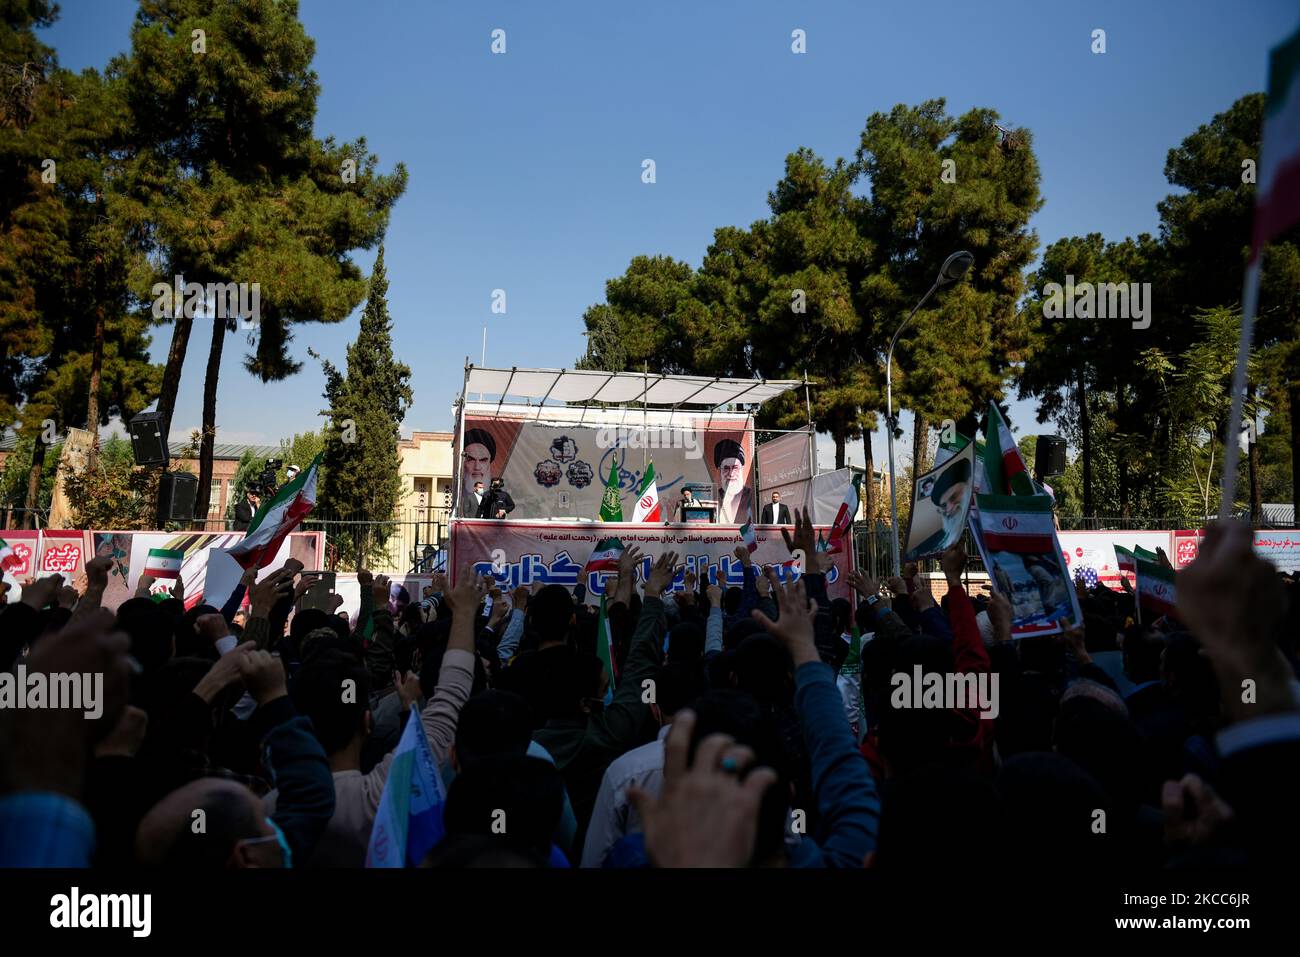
[164, 562]
[1277, 197]
[647, 501]
[749, 537]
[1155, 584]
[276, 519]
[605, 649]
[605, 557]
[1125, 560]
[1006, 470]
[1021, 524]
[848, 510]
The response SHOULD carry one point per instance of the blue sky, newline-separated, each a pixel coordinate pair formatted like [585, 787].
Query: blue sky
[525, 168]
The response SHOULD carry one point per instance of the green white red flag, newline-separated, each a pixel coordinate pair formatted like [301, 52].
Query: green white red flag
[605, 556]
[1155, 584]
[1021, 524]
[1277, 194]
[605, 649]
[1005, 468]
[647, 507]
[276, 519]
[164, 562]
[844, 517]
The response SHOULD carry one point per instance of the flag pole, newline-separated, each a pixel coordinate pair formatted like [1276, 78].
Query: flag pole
[1232, 438]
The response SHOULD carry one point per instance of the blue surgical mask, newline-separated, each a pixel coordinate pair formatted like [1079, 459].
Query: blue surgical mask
[283, 842]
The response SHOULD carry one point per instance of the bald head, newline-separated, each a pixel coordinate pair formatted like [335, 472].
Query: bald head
[174, 835]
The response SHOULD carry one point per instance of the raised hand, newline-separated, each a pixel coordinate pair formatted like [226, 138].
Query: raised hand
[803, 543]
[144, 586]
[762, 583]
[714, 592]
[953, 561]
[706, 814]
[263, 676]
[1000, 616]
[741, 552]
[661, 575]
[794, 627]
[379, 591]
[1194, 812]
[39, 592]
[223, 673]
[408, 688]
[463, 599]
[270, 590]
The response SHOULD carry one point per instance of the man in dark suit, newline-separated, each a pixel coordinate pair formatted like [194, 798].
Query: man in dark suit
[245, 510]
[774, 513]
[497, 503]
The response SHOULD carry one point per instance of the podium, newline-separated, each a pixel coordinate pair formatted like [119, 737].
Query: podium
[702, 513]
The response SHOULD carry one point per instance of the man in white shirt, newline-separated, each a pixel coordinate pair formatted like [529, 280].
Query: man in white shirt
[614, 817]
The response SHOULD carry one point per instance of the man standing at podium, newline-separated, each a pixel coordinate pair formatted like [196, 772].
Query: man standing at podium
[774, 513]
[687, 501]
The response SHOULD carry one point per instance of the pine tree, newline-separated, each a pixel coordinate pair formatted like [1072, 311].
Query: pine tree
[361, 481]
[74, 352]
[235, 187]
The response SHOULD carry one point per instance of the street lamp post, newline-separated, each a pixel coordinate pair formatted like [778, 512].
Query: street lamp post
[954, 267]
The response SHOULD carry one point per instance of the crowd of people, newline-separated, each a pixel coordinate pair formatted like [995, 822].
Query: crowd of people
[748, 726]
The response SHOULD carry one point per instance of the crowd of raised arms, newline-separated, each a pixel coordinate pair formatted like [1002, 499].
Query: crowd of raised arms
[753, 726]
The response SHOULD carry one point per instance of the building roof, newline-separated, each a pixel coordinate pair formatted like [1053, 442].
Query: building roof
[225, 450]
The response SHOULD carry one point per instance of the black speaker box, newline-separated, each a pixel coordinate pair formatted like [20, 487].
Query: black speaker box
[1049, 456]
[177, 494]
[148, 441]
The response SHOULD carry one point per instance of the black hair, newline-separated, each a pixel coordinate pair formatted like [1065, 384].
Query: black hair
[549, 613]
[763, 668]
[320, 693]
[1142, 650]
[677, 684]
[686, 642]
[734, 713]
[494, 722]
[516, 799]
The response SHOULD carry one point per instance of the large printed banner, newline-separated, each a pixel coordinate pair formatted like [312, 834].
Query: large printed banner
[555, 470]
[63, 553]
[20, 565]
[554, 553]
[785, 465]
[1281, 547]
[129, 550]
[1096, 550]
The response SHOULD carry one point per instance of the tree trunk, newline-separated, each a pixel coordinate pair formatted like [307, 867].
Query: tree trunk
[171, 380]
[208, 440]
[920, 444]
[96, 369]
[839, 450]
[1293, 391]
[868, 481]
[1085, 429]
[34, 482]
[1121, 421]
[1252, 462]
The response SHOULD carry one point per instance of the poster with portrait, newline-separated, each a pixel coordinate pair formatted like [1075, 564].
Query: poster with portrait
[558, 470]
[1016, 537]
[941, 500]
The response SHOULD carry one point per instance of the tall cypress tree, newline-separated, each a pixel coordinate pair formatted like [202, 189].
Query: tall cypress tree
[366, 408]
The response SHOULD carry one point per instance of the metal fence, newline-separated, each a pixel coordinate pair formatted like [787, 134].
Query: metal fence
[407, 542]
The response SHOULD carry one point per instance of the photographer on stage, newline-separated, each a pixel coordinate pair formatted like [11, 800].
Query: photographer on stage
[497, 503]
